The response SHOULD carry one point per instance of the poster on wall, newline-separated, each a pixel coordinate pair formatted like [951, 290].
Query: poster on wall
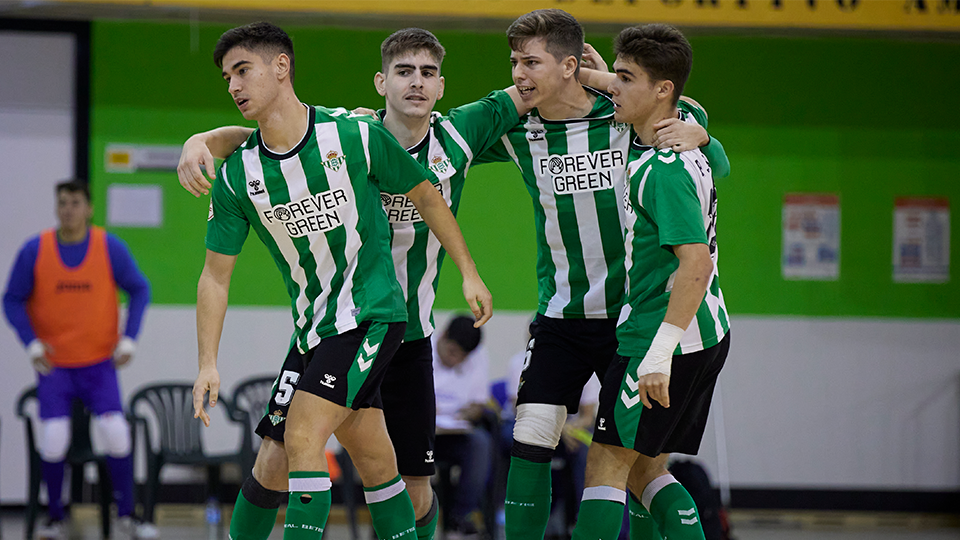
[921, 240]
[811, 236]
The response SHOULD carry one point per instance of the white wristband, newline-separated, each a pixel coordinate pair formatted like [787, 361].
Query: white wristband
[126, 346]
[659, 357]
[36, 349]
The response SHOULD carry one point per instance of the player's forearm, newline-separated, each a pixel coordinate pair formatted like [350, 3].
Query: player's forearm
[690, 284]
[222, 141]
[596, 79]
[435, 213]
[212, 297]
[514, 94]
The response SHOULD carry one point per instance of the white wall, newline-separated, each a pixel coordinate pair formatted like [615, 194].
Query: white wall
[36, 152]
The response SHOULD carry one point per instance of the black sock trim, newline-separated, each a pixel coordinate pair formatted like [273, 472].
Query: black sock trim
[529, 452]
[431, 513]
[260, 496]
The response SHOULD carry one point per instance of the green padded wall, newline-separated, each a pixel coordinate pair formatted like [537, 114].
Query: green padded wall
[870, 119]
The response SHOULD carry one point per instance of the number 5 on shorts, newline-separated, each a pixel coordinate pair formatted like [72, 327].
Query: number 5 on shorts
[285, 387]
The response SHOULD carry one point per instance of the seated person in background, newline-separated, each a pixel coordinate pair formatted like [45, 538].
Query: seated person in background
[460, 371]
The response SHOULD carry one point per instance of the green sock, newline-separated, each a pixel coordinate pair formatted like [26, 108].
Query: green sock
[309, 505]
[601, 513]
[427, 525]
[527, 507]
[673, 509]
[391, 510]
[250, 522]
[642, 524]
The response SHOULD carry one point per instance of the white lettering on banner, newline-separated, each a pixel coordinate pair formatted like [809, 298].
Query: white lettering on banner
[400, 209]
[579, 173]
[309, 215]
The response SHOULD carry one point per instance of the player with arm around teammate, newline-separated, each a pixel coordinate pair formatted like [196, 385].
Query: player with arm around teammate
[572, 154]
[308, 181]
[410, 80]
[673, 329]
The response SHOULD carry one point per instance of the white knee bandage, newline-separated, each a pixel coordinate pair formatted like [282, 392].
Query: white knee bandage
[539, 424]
[113, 434]
[54, 439]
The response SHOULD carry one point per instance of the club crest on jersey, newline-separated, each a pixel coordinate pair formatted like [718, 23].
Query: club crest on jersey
[619, 126]
[255, 187]
[439, 164]
[536, 135]
[334, 161]
[276, 417]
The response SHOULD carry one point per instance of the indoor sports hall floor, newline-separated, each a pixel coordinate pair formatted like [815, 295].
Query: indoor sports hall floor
[186, 522]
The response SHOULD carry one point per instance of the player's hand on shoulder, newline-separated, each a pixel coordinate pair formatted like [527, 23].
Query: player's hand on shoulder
[194, 158]
[208, 380]
[679, 136]
[363, 111]
[591, 59]
[478, 298]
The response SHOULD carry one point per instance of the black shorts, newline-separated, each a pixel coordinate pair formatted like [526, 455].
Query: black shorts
[562, 355]
[410, 407]
[345, 369]
[623, 421]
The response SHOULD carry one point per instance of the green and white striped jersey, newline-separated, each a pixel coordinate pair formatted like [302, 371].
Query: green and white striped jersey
[447, 150]
[574, 171]
[318, 210]
[670, 200]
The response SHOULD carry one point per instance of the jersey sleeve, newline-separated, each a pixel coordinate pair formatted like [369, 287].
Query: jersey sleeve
[227, 226]
[670, 199]
[717, 157]
[496, 153]
[698, 112]
[391, 166]
[713, 150]
[483, 122]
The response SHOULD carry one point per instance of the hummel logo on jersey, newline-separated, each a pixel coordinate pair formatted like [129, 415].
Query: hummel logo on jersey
[579, 173]
[367, 355]
[600, 425]
[316, 213]
[429, 457]
[334, 161]
[535, 135]
[255, 187]
[210, 212]
[439, 164]
[276, 417]
[328, 380]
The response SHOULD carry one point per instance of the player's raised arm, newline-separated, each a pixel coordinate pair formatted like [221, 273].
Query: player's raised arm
[434, 211]
[212, 293]
[199, 153]
[593, 70]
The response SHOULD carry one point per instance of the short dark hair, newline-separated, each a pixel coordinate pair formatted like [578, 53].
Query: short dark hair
[410, 40]
[74, 186]
[260, 37]
[560, 31]
[661, 50]
[462, 332]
